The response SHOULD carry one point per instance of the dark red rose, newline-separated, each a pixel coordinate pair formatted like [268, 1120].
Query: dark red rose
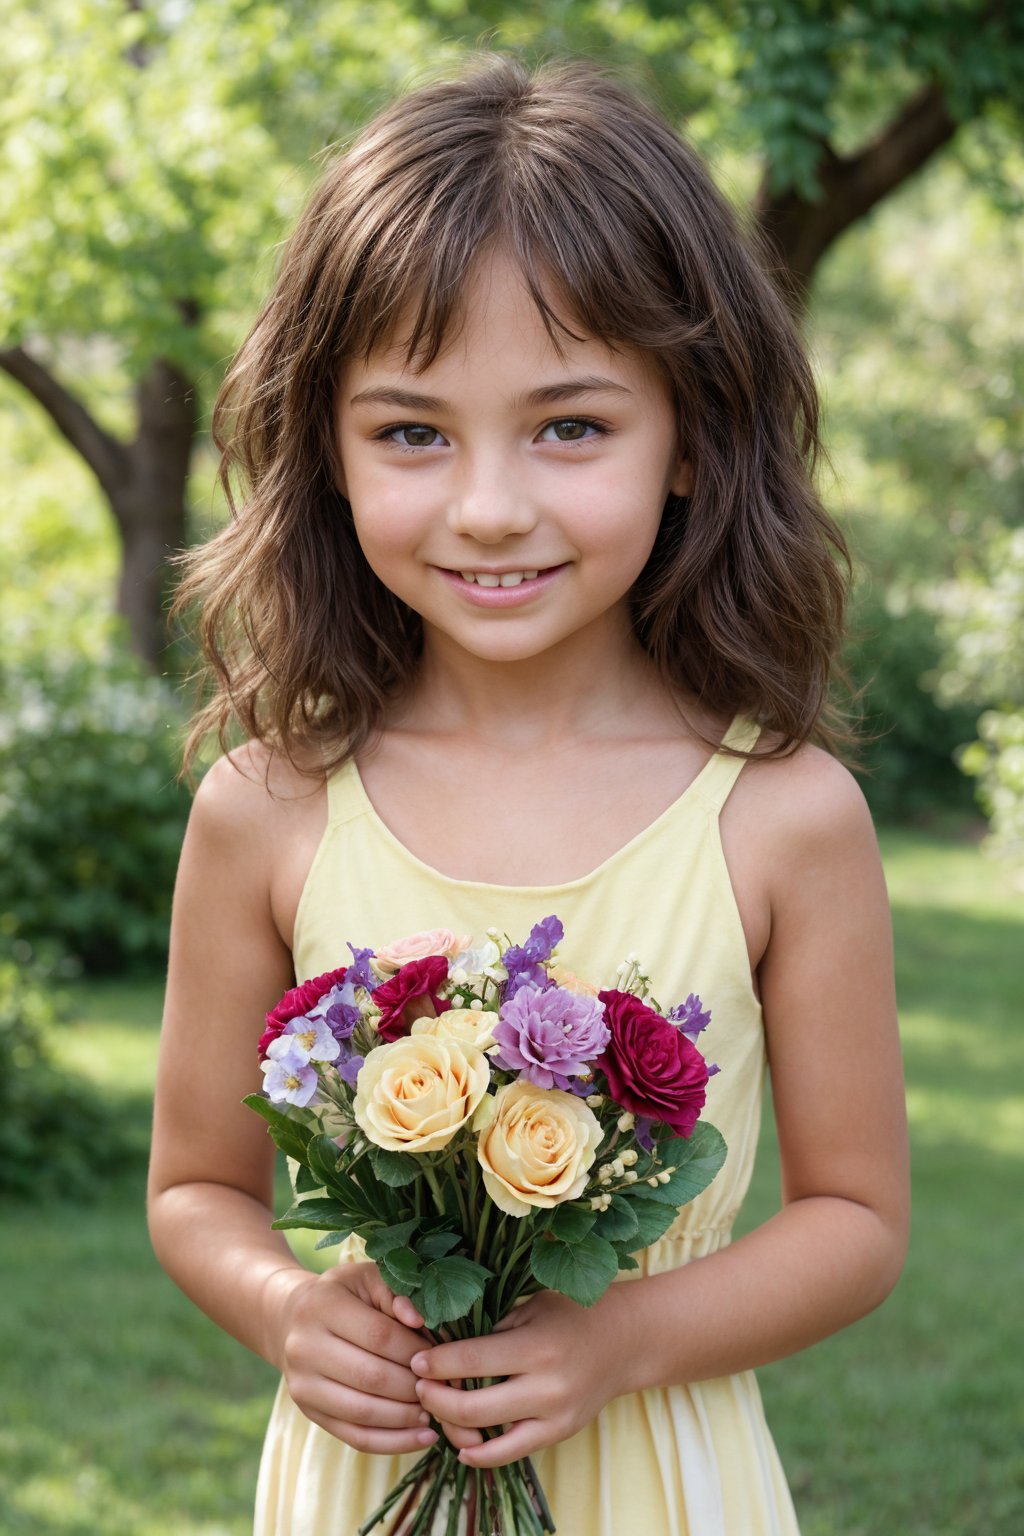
[297, 1002]
[651, 1067]
[411, 994]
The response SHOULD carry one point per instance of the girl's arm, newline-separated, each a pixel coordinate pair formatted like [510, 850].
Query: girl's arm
[835, 1249]
[339, 1338]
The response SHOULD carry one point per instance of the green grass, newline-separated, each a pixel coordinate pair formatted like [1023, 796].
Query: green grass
[910, 1422]
[123, 1412]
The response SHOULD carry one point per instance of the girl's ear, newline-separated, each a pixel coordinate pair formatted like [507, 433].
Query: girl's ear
[682, 485]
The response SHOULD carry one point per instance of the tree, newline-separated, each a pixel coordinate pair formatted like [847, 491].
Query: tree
[153, 155]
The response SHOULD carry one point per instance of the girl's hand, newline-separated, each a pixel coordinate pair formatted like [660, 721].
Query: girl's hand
[562, 1362]
[347, 1343]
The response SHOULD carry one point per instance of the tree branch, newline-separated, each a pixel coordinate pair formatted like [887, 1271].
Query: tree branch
[106, 457]
[801, 231]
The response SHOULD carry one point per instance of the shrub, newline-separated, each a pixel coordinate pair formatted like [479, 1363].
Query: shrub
[908, 755]
[91, 817]
[56, 1138]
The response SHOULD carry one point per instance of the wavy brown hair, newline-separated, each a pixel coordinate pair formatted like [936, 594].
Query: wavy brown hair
[620, 235]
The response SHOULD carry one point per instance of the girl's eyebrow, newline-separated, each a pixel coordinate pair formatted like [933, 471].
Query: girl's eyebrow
[546, 394]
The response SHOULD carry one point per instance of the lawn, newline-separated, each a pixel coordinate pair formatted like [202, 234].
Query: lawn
[123, 1412]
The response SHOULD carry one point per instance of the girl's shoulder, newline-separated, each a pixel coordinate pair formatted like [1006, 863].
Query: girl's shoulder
[800, 809]
[259, 816]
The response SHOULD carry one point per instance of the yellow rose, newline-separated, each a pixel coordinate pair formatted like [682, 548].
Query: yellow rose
[412, 1095]
[538, 1148]
[432, 941]
[469, 1026]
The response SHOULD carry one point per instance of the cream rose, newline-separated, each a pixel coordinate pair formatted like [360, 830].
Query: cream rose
[538, 1148]
[469, 1026]
[412, 1095]
[432, 941]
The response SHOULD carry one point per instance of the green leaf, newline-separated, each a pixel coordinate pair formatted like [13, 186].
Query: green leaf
[323, 1158]
[696, 1159]
[618, 1221]
[571, 1222]
[330, 1239]
[385, 1239]
[582, 1271]
[402, 1270]
[626, 1260]
[653, 1221]
[450, 1287]
[318, 1216]
[436, 1244]
[305, 1180]
[290, 1135]
[393, 1168]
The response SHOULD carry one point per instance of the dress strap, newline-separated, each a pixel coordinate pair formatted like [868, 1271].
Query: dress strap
[345, 798]
[722, 770]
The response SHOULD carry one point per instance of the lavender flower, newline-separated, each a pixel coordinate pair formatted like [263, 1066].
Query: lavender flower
[311, 1036]
[691, 1017]
[523, 961]
[359, 972]
[550, 1036]
[288, 1076]
[337, 1009]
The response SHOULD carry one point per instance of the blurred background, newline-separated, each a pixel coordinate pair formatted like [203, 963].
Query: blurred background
[153, 157]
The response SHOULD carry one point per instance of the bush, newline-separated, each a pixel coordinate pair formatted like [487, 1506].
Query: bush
[983, 621]
[56, 1138]
[908, 755]
[91, 817]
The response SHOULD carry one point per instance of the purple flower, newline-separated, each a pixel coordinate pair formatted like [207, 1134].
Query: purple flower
[359, 972]
[550, 1036]
[287, 1074]
[311, 1036]
[337, 1009]
[523, 961]
[690, 1016]
[643, 1132]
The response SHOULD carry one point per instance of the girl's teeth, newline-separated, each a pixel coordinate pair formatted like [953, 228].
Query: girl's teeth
[510, 579]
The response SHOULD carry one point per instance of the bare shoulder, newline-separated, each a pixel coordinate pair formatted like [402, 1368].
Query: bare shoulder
[252, 787]
[804, 801]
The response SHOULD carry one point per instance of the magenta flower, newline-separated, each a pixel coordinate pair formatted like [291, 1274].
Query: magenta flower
[551, 1037]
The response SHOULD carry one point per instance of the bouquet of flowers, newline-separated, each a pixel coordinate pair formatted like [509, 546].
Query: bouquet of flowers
[491, 1126]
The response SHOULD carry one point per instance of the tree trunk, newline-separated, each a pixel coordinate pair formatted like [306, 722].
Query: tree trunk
[145, 481]
[149, 504]
[799, 231]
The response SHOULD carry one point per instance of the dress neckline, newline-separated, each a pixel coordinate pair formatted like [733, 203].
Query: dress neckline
[738, 727]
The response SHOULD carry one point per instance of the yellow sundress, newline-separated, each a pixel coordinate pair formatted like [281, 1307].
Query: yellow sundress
[693, 1460]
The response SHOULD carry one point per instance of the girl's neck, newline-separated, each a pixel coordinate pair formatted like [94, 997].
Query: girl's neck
[589, 686]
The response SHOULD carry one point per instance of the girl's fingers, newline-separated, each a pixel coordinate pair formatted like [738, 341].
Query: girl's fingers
[403, 1309]
[480, 1409]
[521, 1439]
[458, 1434]
[493, 1354]
[362, 1370]
[346, 1404]
[378, 1442]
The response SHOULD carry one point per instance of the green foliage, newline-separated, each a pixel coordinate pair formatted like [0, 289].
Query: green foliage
[92, 817]
[57, 1140]
[984, 662]
[909, 744]
[581, 1270]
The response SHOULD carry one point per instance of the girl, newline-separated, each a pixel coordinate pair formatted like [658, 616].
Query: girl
[528, 607]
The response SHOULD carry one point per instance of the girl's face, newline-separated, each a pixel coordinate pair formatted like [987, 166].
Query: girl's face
[509, 495]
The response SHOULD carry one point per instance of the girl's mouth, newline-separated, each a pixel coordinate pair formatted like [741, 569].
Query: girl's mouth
[505, 589]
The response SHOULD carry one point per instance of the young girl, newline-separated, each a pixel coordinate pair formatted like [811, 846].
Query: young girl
[528, 607]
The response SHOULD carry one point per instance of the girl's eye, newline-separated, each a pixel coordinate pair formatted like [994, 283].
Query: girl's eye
[411, 435]
[572, 429]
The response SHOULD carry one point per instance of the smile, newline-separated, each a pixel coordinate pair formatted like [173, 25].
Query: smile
[506, 579]
[501, 589]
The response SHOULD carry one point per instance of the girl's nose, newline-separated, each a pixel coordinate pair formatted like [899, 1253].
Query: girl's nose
[489, 501]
